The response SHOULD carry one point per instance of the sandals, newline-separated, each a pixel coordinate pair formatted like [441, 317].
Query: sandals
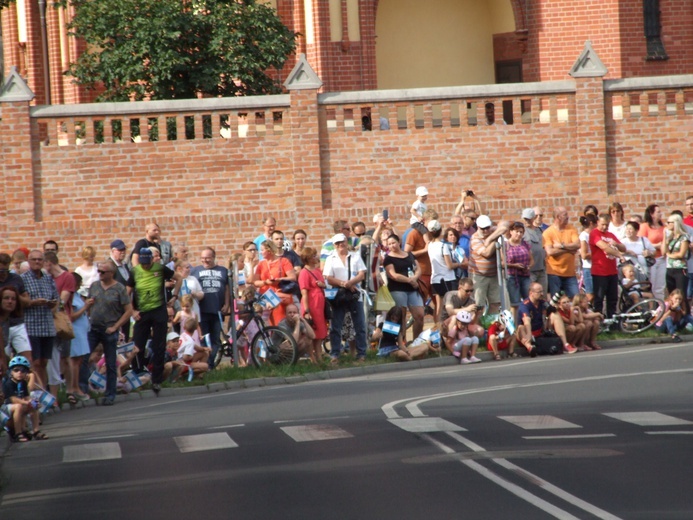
[22, 437]
[497, 357]
[514, 355]
[39, 436]
[71, 399]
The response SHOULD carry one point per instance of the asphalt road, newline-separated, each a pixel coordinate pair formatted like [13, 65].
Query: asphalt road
[593, 435]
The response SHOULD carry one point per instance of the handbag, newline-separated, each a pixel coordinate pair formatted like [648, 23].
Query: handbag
[63, 325]
[345, 296]
[384, 300]
[649, 260]
[289, 287]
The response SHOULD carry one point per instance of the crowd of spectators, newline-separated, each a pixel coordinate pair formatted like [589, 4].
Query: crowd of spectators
[448, 265]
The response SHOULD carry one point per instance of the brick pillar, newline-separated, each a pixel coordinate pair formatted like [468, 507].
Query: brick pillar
[17, 153]
[303, 84]
[590, 121]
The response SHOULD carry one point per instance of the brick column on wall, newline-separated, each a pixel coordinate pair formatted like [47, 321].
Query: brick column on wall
[303, 84]
[17, 185]
[590, 116]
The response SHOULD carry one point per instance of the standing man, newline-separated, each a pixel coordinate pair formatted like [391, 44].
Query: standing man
[147, 282]
[214, 280]
[152, 237]
[483, 265]
[688, 219]
[38, 315]
[111, 311]
[121, 274]
[13, 279]
[289, 254]
[269, 225]
[561, 243]
[533, 237]
[180, 252]
[539, 219]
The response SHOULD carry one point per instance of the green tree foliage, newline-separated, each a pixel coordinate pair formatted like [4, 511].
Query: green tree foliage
[175, 49]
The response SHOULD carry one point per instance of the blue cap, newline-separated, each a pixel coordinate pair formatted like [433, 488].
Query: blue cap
[145, 256]
[118, 244]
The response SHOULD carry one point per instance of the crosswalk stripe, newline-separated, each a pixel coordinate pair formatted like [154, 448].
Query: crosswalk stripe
[88, 452]
[204, 442]
[426, 425]
[648, 419]
[315, 432]
[538, 422]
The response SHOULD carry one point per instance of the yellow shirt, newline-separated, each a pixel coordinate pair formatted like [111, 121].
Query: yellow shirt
[564, 263]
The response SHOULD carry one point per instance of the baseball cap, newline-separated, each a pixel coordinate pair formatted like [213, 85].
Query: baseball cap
[118, 244]
[433, 225]
[145, 256]
[528, 214]
[483, 222]
[421, 191]
[171, 336]
[339, 237]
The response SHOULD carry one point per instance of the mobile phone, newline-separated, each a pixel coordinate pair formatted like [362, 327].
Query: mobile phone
[386, 214]
[470, 193]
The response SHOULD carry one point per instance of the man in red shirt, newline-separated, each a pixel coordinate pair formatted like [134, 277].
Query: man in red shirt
[605, 248]
[688, 219]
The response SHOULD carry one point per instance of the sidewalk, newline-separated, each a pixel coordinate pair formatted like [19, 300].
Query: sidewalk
[343, 373]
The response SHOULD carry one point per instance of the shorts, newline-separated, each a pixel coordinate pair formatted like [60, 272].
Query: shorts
[486, 289]
[407, 299]
[41, 347]
[444, 286]
[386, 351]
[18, 341]
[587, 280]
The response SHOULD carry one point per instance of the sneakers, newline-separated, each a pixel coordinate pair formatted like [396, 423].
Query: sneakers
[474, 359]
[466, 361]
[107, 401]
[156, 388]
[569, 349]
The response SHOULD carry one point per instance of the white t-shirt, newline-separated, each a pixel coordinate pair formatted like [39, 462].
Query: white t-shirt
[619, 231]
[437, 251]
[335, 268]
[585, 237]
[191, 285]
[88, 276]
[637, 246]
[187, 345]
[418, 207]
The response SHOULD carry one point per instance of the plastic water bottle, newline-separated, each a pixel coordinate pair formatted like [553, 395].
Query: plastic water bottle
[410, 273]
[263, 349]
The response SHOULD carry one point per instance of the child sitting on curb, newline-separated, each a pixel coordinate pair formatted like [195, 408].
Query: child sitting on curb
[19, 405]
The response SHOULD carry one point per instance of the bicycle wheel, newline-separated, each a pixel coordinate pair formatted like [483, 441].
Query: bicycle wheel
[641, 316]
[273, 345]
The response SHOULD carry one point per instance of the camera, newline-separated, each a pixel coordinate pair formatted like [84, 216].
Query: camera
[470, 193]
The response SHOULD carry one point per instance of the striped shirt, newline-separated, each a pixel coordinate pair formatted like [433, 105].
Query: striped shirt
[479, 264]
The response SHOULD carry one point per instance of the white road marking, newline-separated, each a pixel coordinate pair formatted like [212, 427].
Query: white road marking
[311, 420]
[110, 437]
[648, 419]
[682, 432]
[225, 427]
[550, 437]
[516, 490]
[538, 422]
[204, 442]
[89, 452]
[315, 432]
[426, 425]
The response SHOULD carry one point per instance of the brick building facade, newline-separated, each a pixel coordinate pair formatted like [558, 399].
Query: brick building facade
[341, 39]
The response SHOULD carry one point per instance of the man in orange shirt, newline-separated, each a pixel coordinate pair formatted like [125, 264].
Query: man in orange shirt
[561, 244]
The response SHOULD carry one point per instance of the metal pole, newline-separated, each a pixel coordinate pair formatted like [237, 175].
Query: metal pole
[233, 275]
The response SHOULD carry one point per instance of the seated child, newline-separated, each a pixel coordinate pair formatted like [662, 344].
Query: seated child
[191, 352]
[674, 318]
[16, 387]
[463, 339]
[592, 321]
[632, 285]
[173, 366]
[388, 333]
[500, 339]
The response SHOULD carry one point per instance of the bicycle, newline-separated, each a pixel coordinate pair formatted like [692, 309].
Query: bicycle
[637, 318]
[270, 344]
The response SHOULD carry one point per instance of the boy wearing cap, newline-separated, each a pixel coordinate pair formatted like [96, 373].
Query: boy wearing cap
[151, 317]
[419, 206]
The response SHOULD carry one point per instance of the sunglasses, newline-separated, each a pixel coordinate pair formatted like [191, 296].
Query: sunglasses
[101, 271]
